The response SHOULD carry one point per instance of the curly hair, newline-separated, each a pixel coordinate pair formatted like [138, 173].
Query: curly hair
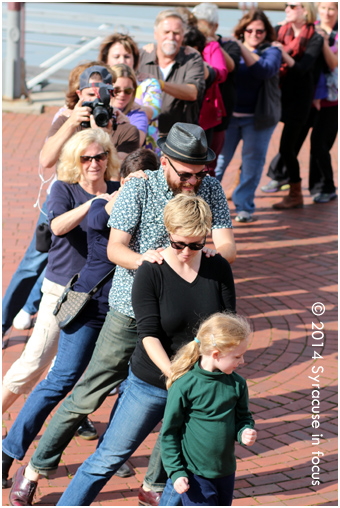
[249, 17]
[221, 331]
[73, 81]
[187, 216]
[69, 167]
[126, 41]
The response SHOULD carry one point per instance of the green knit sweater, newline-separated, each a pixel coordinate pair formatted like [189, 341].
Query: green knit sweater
[205, 413]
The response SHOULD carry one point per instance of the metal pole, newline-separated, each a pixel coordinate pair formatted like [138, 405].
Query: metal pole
[12, 83]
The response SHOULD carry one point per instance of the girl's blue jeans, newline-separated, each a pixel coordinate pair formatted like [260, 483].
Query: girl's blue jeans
[140, 408]
[254, 151]
[75, 348]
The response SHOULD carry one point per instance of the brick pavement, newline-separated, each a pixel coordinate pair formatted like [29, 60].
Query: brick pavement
[286, 262]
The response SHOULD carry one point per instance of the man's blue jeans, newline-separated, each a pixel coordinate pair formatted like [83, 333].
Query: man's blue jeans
[254, 150]
[24, 278]
[139, 410]
[76, 345]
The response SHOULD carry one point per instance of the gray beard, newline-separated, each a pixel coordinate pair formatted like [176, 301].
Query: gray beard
[166, 50]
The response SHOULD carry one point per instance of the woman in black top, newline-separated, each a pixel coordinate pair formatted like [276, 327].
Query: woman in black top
[170, 301]
[301, 46]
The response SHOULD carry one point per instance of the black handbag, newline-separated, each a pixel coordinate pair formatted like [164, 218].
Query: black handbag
[71, 303]
[43, 237]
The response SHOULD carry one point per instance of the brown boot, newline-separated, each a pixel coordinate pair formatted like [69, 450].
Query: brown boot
[293, 200]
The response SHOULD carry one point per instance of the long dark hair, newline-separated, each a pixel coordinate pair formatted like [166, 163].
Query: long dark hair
[249, 17]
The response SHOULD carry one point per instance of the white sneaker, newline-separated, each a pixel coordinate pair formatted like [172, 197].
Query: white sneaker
[244, 216]
[23, 320]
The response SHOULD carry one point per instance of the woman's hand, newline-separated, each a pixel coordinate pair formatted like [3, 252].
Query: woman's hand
[121, 118]
[153, 256]
[136, 174]
[209, 252]
[248, 437]
[278, 44]
[181, 485]
[149, 47]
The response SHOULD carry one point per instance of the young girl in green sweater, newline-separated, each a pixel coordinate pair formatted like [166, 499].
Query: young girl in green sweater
[206, 411]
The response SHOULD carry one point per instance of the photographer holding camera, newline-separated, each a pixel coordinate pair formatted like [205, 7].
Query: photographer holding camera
[125, 137]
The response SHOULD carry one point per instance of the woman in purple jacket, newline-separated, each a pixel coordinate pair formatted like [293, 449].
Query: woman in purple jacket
[259, 62]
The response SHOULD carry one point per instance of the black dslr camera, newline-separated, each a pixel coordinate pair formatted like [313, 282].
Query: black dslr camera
[101, 110]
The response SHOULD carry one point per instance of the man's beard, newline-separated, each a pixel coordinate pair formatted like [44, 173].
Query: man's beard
[170, 48]
[177, 188]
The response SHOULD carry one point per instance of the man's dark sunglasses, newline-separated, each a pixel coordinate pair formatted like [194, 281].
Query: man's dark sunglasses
[182, 245]
[100, 157]
[184, 177]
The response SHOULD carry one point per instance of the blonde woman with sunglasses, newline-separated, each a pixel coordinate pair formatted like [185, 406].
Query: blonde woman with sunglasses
[169, 300]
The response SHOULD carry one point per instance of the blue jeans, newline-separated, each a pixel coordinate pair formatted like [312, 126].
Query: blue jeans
[139, 410]
[76, 345]
[24, 278]
[209, 492]
[33, 301]
[170, 497]
[254, 151]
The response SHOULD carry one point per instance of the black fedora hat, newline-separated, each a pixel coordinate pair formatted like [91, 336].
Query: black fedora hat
[187, 143]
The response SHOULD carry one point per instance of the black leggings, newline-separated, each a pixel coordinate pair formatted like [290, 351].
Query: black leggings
[325, 129]
[288, 151]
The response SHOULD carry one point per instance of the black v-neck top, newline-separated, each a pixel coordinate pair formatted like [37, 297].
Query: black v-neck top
[169, 308]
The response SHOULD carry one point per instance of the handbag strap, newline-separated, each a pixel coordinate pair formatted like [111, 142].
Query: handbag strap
[101, 283]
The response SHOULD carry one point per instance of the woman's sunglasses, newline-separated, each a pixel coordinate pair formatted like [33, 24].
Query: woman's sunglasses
[292, 6]
[182, 245]
[184, 177]
[258, 31]
[100, 157]
[126, 91]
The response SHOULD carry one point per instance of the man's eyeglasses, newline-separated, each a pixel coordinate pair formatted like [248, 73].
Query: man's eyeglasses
[258, 31]
[184, 177]
[182, 245]
[126, 91]
[100, 157]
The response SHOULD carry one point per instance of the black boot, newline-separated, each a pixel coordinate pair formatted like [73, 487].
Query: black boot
[7, 461]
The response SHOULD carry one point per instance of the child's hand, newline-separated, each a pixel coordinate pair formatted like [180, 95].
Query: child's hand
[249, 437]
[181, 485]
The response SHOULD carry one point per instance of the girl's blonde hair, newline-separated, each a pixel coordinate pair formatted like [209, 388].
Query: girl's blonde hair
[69, 167]
[187, 216]
[221, 331]
[124, 71]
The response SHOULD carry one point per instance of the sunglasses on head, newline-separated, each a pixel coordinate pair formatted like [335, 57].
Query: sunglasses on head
[184, 177]
[258, 31]
[126, 91]
[182, 245]
[100, 157]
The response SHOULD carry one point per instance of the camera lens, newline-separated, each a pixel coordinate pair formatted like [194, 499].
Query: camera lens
[101, 116]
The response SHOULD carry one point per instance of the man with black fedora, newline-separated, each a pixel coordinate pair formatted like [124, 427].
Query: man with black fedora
[138, 234]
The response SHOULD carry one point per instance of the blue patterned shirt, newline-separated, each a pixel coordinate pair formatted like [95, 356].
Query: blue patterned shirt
[139, 212]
